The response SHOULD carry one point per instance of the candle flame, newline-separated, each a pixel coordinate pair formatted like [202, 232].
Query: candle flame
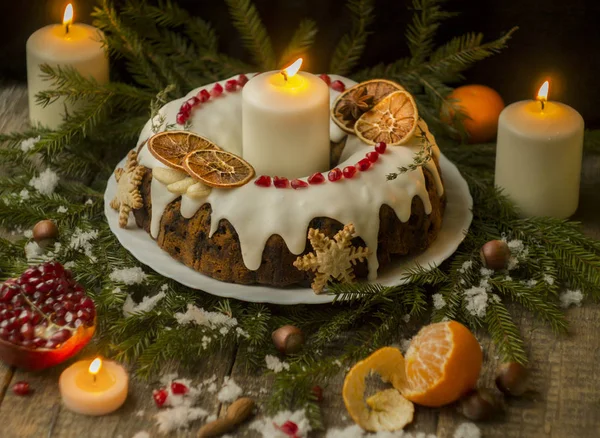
[293, 69]
[95, 366]
[68, 16]
[543, 93]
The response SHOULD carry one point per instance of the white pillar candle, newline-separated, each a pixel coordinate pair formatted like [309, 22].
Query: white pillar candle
[67, 45]
[285, 124]
[94, 387]
[538, 158]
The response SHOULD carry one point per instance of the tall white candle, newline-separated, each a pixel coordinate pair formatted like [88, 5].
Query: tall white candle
[73, 45]
[538, 158]
[285, 124]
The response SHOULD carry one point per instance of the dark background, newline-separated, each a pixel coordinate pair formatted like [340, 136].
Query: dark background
[559, 39]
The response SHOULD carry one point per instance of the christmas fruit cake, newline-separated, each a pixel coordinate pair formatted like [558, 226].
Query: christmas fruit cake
[188, 186]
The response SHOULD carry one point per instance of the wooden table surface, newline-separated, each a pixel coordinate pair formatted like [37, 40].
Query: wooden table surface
[565, 370]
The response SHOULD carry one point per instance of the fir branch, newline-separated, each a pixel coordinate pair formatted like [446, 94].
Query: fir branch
[301, 42]
[505, 333]
[421, 32]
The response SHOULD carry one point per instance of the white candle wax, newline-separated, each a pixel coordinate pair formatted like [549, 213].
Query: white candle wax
[538, 158]
[83, 394]
[285, 124]
[80, 48]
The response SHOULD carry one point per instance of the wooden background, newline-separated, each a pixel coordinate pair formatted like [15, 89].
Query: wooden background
[565, 370]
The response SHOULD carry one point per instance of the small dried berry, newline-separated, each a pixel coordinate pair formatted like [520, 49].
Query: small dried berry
[21, 388]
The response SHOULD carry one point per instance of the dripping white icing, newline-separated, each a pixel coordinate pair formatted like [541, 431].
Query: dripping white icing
[257, 213]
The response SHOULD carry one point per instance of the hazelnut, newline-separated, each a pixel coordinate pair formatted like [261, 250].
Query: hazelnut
[512, 379]
[478, 405]
[495, 254]
[44, 231]
[288, 339]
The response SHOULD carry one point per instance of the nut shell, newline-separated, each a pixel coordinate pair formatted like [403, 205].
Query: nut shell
[240, 410]
[495, 254]
[479, 405]
[288, 339]
[512, 379]
[45, 230]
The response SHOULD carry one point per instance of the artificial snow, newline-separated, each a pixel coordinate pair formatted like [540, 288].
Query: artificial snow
[29, 143]
[82, 241]
[140, 413]
[128, 276]
[178, 417]
[476, 299]
[355, 431]
[33, 251]
[229, 392]
[467, 430]
[571, 297]
[404, 344]
[549, 279]
[438, 301]
[268, 426]
[24, 195]
[45, 182]
[466, 266]
[275, 364]
[147, 304]
[213, 320]
[62, 209]
[485, 272]
[141, 434]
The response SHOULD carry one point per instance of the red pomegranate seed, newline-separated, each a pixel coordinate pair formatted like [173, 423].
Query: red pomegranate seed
[349, 171]
[281, 182]
[334, 175]
[242, 80]
[363, 165]
[231, 85]
[326, 79]
[203, 96]
[289, 428]
[21, 388]
[381, 147]
[217, 90]
[298, 184]
[263, 181]
[160, 396]
[338, 86]
[317, 391]
[316, 178]
[193, 101]
[178, 388]
[373, 156]
[181, 118]
[185, 107]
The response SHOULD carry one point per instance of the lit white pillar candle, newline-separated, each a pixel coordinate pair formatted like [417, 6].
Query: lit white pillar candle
[538, 158]
[94, 387]
[285, 123]
[68, 45]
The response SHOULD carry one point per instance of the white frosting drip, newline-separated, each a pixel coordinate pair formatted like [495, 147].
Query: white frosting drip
[257, 213]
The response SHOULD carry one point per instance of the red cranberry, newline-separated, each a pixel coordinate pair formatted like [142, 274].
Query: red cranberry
[217, 90]
[326, 79]
[316, 178]
[231, 85]
[373, 156]
[203, 95]
[193, 101]
[334, 175]
[338, 86]
[242, 80]
[181, 118]
[298, 184]
[21, 388]
[178, 388]
[281, 182]
[363, 164]
[160, 397]
[263, 181]
[317, 391]
[349, 171]
[381, 147]
[289, 428]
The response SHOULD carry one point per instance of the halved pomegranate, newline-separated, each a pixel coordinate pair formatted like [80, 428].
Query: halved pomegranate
[45, 317]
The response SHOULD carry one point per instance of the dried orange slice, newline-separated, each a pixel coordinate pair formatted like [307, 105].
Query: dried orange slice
[217, 168]
[386, 410]
[442, 363]
[171, 147]
[393, 120]
[359, 99]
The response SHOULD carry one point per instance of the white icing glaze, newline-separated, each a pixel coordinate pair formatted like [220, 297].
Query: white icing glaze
[257, 213]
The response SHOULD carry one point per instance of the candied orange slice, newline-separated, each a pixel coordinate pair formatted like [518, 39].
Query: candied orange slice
[392, 121]
[217, 168]
[386, 410]
[352, 103]
[171, 147]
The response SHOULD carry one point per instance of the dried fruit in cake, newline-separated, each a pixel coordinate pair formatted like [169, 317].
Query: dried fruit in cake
[359, 99]
[217, 168]
[393, 120]
[386, 410]
[171, 147]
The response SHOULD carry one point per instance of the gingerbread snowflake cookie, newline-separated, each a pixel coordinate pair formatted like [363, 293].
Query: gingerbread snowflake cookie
[332, 259]
[128, 195]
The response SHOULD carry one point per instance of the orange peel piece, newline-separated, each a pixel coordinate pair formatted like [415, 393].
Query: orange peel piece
[171, 147]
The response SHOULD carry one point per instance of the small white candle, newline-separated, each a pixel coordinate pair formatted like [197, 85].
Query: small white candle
[285, 123]
[94, 387]
[538, 158]
[70, 44]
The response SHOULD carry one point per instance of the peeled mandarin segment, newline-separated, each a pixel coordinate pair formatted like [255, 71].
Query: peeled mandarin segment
[392, 121]
[168, 176]
[217, 168]
[171, 147]
[358, 99]
[389, 411]
[443, 362]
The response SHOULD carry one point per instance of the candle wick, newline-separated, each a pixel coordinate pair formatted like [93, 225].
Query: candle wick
[94, 378]
[543, 104]
[285, 76]
[66, 28]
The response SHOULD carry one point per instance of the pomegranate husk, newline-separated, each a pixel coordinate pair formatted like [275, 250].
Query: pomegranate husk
[42, 358]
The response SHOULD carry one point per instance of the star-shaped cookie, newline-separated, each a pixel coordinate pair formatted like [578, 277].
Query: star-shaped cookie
[128, 195]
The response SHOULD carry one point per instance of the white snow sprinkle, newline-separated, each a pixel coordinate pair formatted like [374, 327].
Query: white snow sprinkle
[45, 182]
[229, 392]
[466, 266]
[62, 209]
[211, 418]
[24, 195]
[212, 388]
[69, 265]
[276, 365]
[147, 304]
[406, 318]
[438, 301]
[81, 241]
[549, 279]
[33, 250]
[29, 143]
[141, 434]
[267, 426]
[199, 316]
[404, 344]
[140, 413]
[89, 201]
[476, 298]
[486, 272]
[128, 276]
[354, 431]
[178, 417]
[571, 297]
[530, 283]
[28, 234]
[467, 430]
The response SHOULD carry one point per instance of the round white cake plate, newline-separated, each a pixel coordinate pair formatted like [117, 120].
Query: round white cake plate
[457, 219]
